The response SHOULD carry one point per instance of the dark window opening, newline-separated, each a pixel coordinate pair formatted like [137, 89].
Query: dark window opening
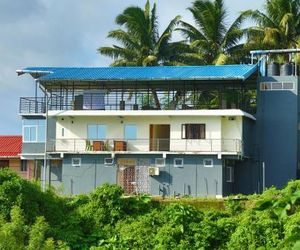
[23, 166]
[4, 163]
[193, 131]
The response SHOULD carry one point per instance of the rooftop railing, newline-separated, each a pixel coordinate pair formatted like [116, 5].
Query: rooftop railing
[32, 105]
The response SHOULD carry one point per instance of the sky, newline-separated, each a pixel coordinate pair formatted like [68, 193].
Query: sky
[67, 33]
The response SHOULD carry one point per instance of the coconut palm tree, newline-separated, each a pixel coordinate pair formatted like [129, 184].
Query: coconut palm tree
[141, 44]
[211, 39]
[277, 27]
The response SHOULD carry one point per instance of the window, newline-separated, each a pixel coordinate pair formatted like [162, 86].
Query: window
[160, 162]
[108, 161]
[93, 99]
[23, 167]
[96, 132]
[130, 132]
[76, 162]
[193, 131]
[288, 85]
[276, 86]
[209, 163]
[34, 130]
[265, 86]
[4, 163]
[229, 174]
[178, 162]
[63, 132]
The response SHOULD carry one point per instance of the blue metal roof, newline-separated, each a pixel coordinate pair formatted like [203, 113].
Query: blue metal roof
[218, 72]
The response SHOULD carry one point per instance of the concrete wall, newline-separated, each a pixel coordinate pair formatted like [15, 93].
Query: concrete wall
[217, 128]
[277, 131]
[192, 179]
[88, 176]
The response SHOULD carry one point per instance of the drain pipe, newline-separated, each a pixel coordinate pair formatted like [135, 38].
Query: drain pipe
[263, 176]
[45, 149]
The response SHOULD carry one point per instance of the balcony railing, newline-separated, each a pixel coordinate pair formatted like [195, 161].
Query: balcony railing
[32, 105]
[146, 145]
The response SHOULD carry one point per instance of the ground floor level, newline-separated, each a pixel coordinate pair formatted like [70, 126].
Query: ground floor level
[26, 169]
[154, 174]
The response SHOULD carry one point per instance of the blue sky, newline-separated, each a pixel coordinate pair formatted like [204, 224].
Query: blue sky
[66, 33]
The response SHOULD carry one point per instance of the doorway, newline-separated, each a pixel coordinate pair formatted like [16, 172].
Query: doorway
[126, 179]
[159, 137]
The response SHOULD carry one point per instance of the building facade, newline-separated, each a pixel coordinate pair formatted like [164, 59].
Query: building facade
[170, 131]
[10, 151]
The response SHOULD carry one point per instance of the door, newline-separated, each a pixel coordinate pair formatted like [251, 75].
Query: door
[159, 137]
[126, 179]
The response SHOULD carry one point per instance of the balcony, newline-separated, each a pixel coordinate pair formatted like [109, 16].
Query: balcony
[32, 105]
[227, 146]
[105, 100]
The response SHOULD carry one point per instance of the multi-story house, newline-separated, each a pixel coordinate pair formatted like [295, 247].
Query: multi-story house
[184, 130]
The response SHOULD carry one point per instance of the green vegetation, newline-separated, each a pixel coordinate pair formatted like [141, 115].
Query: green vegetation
[104, 219]
[209, 40]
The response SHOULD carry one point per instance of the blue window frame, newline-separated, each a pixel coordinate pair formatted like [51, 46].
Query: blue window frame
[34, 130]
[130, 132]
[96, 132]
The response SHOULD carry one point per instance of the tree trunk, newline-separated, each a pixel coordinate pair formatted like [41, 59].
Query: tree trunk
[156, 100]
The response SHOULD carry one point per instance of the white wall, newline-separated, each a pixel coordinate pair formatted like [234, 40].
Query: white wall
[232, 129]
[217, 128]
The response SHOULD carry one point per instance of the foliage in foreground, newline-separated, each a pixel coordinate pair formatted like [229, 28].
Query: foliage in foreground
[104, 219]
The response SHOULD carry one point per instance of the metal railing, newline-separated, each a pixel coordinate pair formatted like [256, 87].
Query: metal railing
[32, 105]
[37, 105]
[146, 145]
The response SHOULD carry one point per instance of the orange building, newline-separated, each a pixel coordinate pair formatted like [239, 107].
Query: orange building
[10, 150]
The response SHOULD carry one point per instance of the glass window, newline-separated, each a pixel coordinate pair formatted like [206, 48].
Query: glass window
[288, 85]
[34, 130]
[97, 131]
[178, 162]
[229, 174]
[160, 162]
[26, 134]
[23, 165]
[92, 132]
[277, 85]
[33, 133]
[76, 162]
[101, 132]
[41, 136]
[130, 132]
[208, 163]
[193, 131]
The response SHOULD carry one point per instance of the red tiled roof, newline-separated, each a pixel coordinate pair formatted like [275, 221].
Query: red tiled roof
[10, 145]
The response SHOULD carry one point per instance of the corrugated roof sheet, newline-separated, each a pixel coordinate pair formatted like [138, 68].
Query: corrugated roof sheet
[212, 72]
[10, 145]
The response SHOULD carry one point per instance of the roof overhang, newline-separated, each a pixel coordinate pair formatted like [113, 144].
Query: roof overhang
[152, 113]
[239, 72]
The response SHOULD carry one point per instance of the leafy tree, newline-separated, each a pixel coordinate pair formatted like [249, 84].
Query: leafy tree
[211, 39]
[141, 44]
[278, 26]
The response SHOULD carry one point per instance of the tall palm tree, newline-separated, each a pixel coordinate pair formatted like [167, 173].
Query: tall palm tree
[211, 39]
[277, 27]
[140, 42]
